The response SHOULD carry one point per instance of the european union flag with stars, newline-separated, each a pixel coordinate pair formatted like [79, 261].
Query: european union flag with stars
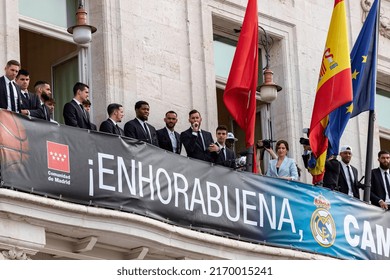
[363, 67]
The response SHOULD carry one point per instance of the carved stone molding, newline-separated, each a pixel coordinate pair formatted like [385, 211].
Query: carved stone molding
[384, 21]
[14, 254]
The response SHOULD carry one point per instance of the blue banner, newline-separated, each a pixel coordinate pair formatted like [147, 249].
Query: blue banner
[120, 173]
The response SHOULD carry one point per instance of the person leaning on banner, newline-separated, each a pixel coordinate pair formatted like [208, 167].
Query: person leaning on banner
[380, 186]
[261, 147]
[74, 112]
[115, 116]
[282, 167]
[31, 103]
[224, 156]
[198, 143]
[348, 179]
[139, 128]
[168, 138]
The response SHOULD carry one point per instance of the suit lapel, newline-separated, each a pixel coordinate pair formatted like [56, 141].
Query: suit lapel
[81, 112]
[178, 143]
[3, 96]
[167, 139]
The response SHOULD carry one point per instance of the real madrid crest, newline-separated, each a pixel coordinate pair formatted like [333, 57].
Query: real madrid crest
[322, 224]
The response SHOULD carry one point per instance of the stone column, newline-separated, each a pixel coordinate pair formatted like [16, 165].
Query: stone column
[9, 31]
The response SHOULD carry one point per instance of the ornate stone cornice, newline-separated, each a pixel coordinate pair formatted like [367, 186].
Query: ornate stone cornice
[384, 20]
[14, 254]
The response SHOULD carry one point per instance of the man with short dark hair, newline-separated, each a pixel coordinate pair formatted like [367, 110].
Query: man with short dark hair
[168, 138]
[224, 156]
[74, 112]
[139, 128]
[42, 88]
[10, 94]
[32, 104]
[380, 181]
[198, 143]
[115, 113]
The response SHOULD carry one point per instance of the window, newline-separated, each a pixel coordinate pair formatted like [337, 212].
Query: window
[57, 12]
[224, 49]
[382, 105]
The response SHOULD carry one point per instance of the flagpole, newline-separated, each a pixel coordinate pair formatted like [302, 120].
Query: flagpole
[249, 159]
[371, 119]
[370, 144]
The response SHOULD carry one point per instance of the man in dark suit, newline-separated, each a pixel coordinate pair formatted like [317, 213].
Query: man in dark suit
[32, 104]
[348, 177]
[380, 186]
[43, 91]
[198, 143]
[139, 128]
[10, 94]
[74, 113]
[224, 156]
[87, 107]
[115, 113]
[168, 138]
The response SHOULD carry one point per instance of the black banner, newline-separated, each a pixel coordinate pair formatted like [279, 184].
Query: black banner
[104, 170]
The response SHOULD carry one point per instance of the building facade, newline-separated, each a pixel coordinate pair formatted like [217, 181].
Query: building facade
[174, 54]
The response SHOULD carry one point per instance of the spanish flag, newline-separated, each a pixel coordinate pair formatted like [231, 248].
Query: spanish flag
[334, 86]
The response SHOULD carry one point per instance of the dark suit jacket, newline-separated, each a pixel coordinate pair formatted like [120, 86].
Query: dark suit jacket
[193, 144]
[165, 141]
[377, 187]
[343, 185]
[229, 161]
[33, 104]
[3, 95]
[135, 130]
[109, 127]
[332, 174]
[74, 116]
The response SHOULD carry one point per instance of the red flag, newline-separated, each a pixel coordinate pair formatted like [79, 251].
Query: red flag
[58, 157]
[240, 91]
[334, 86]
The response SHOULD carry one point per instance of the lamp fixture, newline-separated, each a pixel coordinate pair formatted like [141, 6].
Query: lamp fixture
[267, 91]
[82, 32]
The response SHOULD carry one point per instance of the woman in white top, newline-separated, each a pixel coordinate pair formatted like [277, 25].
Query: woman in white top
[282, 167]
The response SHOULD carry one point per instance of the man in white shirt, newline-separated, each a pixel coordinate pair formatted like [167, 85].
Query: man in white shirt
[168, 138]
[10, 94]
[115, 113]
[348, 178]
[224, 156]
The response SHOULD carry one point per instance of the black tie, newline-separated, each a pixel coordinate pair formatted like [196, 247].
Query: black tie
[223, 153]
[45, 112]
[118, 131]
[350, 176]
[25, 95]
[147, 133]
[200, 137]
[12, 97]
[84, 112]
[387, 183]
